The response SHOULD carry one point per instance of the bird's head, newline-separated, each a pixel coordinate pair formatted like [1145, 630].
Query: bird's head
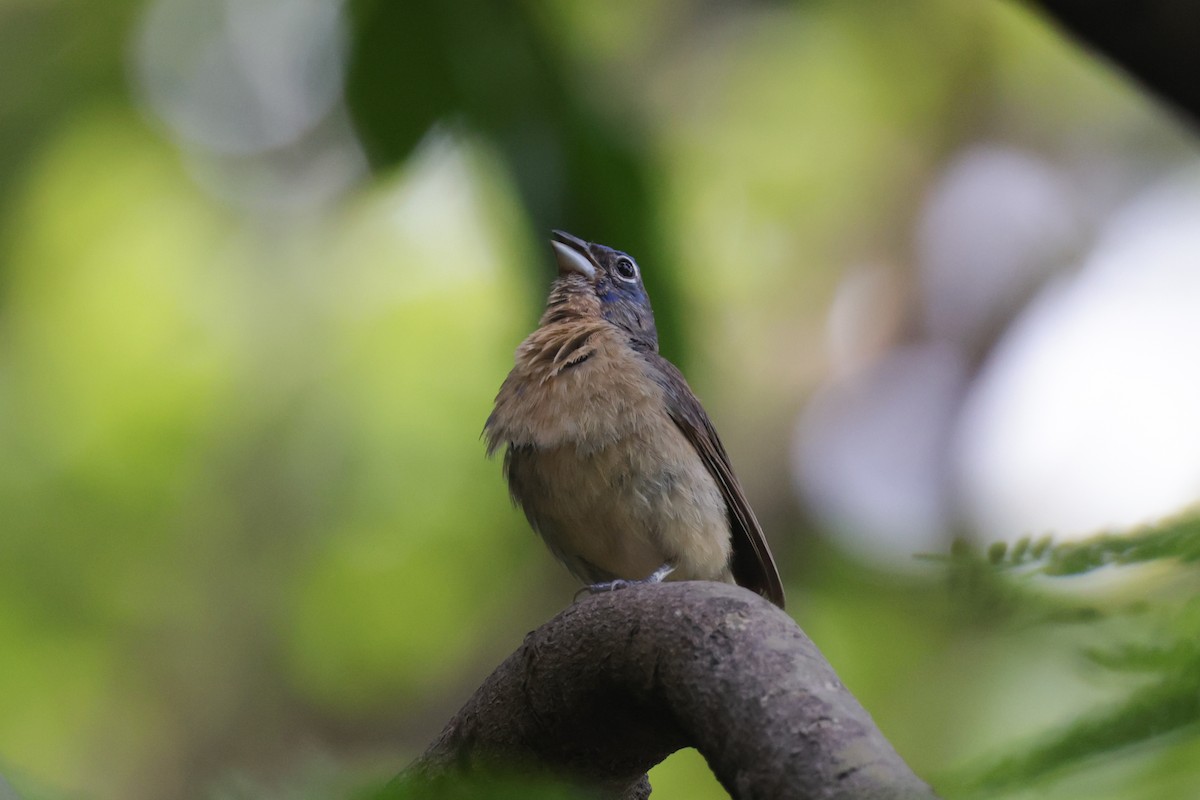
[613, 278]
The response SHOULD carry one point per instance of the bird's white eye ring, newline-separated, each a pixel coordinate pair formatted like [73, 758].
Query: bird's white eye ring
[626, 270]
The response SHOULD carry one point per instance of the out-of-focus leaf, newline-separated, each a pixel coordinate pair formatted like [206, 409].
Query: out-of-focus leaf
[53, 60]
[1155, 711]
[417, 339]
[500, 784]
[495, 68]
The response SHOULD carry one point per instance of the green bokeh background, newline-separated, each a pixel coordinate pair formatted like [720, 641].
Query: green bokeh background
[249, 542]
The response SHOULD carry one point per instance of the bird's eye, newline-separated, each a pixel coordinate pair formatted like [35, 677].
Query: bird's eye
[626, 269]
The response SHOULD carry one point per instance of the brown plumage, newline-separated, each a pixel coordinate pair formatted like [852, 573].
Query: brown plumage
[609, 453]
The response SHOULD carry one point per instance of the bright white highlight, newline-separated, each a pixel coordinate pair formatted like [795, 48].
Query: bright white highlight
[1088, 417]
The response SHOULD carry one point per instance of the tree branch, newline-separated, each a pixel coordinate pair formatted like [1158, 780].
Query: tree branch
[617, 682]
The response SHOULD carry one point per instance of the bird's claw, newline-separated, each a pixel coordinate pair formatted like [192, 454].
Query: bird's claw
[659, 575]
[620, 583]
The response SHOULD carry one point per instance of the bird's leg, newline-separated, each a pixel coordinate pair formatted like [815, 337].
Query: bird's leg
[620, 583]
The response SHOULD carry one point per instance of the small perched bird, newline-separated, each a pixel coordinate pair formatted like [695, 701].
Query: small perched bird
[609, 452]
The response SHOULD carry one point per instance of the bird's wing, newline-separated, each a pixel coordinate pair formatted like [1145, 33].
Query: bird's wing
[752, 564]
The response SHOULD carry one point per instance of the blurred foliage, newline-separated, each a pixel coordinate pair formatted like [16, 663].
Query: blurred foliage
[325, 779]
[249, 544]
[502, 70]
[55, 60]
[1157, 648]
[497, 784]
[1179, 539]
[151, 499]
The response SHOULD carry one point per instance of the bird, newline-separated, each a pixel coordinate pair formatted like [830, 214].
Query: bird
[607, 449]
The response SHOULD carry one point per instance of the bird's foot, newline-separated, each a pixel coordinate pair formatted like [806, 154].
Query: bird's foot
[620, 583]
[659, 575]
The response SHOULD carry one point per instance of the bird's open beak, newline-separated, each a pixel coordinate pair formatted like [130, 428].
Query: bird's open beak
[573, 255]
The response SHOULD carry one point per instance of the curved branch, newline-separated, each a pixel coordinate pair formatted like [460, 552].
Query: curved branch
[618, 681]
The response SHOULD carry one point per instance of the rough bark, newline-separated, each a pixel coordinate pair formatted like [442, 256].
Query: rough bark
[618, 681]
